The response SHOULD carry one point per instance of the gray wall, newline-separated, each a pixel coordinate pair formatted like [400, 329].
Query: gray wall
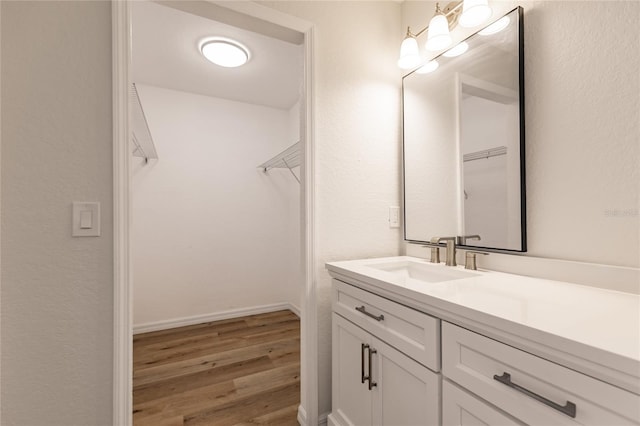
[56, 148]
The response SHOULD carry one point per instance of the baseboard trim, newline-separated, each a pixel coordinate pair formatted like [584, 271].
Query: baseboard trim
[331, 421]
[302, 417]
[322, 420]
[216, 316]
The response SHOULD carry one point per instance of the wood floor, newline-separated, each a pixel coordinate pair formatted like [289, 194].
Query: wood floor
[242, 371]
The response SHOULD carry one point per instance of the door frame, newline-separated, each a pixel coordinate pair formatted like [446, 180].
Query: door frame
[122, 312]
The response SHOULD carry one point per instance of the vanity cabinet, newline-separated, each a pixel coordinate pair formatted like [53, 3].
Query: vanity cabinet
[395, 365]
[375, 383]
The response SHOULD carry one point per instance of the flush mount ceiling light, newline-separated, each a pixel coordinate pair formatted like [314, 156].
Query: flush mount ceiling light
[469, 13]
[225, 52]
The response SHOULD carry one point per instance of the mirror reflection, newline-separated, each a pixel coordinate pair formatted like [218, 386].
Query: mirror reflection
[464, 142]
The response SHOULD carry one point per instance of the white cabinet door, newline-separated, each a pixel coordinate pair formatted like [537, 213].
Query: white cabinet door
[351, 398]
[406, 393]
[460, 408]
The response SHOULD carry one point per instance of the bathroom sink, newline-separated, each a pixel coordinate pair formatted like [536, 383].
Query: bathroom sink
[427, 272]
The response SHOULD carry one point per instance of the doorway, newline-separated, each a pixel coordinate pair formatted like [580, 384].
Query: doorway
[122, 165]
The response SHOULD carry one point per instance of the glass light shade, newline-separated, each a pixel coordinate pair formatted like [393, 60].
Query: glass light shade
[430, 66]
[496, 27]
[409, 53]
[438, 37]
[458, 50]
[474, 13]
[225, 53]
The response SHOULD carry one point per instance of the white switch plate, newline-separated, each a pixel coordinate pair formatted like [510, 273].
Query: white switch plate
[394, 217]
[85, 219]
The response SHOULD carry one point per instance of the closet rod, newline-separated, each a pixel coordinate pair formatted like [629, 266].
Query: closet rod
[486, 153]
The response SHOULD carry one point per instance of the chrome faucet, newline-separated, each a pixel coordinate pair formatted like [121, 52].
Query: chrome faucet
[451, 250]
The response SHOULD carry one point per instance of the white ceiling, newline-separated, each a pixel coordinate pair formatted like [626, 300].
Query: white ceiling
[166, 54]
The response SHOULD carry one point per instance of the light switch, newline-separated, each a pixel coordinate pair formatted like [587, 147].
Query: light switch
[85, 219]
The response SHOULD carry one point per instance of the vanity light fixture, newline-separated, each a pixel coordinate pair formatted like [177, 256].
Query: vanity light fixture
[225, 52]
[474, 13]
[496, 27]
[469, 13]
[457, 50]
[409, 52]
[438, 36]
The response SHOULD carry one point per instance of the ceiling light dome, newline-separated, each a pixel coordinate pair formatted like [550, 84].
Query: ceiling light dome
[224, 52]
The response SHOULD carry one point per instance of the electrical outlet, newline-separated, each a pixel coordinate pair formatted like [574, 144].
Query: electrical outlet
[394, 217]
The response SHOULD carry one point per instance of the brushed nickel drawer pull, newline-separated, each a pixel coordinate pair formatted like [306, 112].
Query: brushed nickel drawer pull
[364, 311]
[569, 408]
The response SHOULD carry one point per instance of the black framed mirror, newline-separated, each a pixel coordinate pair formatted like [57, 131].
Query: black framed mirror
[463, 142]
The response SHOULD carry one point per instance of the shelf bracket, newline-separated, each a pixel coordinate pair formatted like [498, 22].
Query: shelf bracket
[291, 170]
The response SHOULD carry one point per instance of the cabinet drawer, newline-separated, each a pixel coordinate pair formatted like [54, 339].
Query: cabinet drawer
[460, 408]
[412, 332]
[475, 362]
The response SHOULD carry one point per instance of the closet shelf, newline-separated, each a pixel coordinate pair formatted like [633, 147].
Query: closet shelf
[287, 159]
[140, 133]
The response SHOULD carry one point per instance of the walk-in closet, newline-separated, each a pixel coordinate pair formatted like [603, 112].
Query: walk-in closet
[216, 213]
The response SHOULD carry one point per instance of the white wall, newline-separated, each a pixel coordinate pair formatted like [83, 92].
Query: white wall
[582, 128]
[57, 291]
[211, 232]
[357, 129]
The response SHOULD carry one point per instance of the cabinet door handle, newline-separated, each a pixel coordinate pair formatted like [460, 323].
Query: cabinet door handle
[569, 408]
[372, 384]
[364, 311]
[363, 346]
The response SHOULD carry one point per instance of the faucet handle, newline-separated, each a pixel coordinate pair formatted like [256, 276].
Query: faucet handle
[435, 251]
[470, 259]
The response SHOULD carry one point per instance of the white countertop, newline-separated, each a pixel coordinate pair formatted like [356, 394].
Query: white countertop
[598, 326]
